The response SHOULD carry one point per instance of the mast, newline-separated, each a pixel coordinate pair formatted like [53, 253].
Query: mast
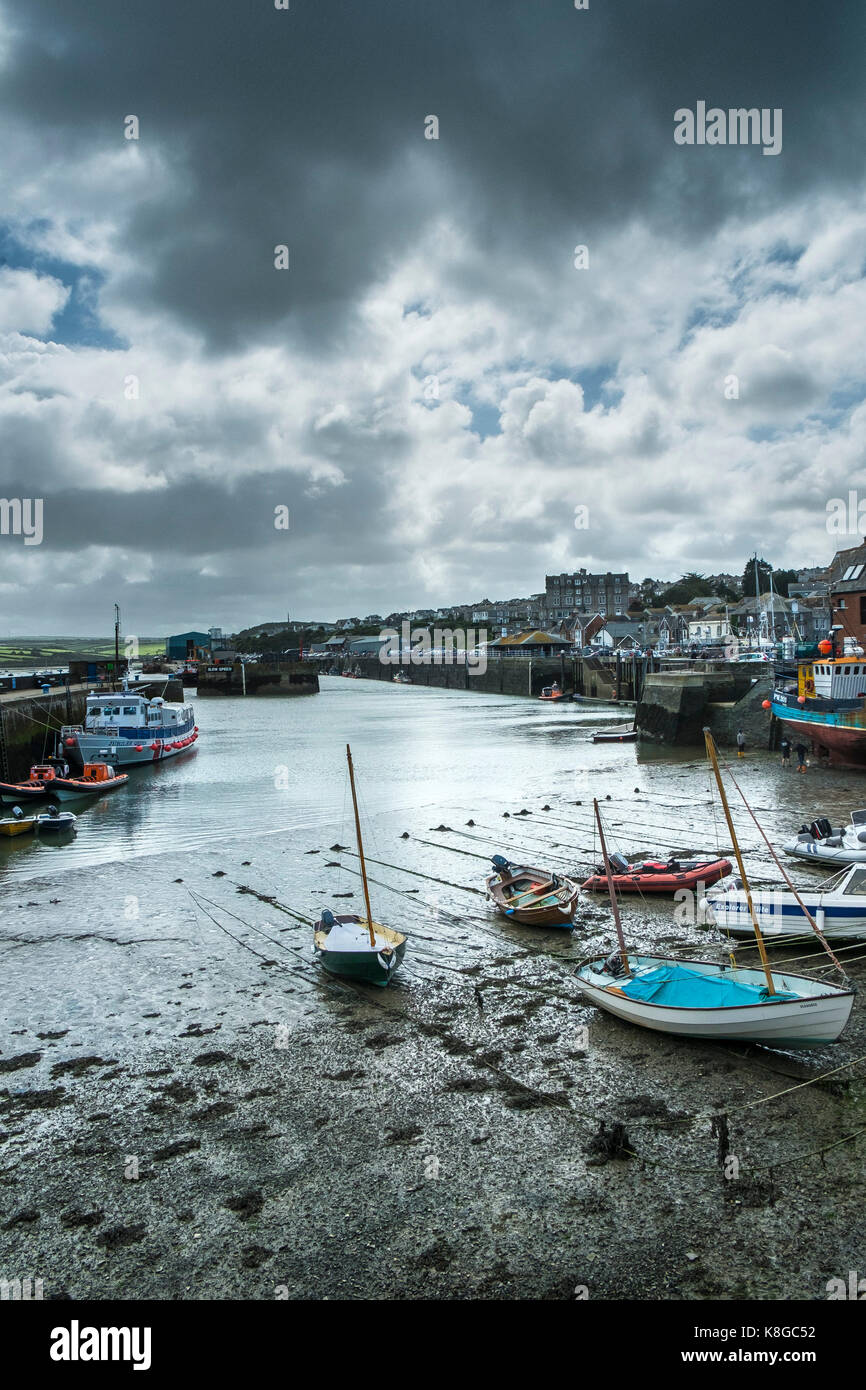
[613, 902]
[360, 846]
[711, 754]
[116, 643]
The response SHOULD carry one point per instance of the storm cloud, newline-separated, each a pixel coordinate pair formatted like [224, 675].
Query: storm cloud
[432, 386]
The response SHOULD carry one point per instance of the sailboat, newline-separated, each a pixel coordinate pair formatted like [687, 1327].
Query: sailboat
[707, 999]
[357, 948]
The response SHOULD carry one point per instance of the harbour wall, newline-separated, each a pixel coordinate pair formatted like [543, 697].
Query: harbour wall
[677, 705]
[29, 725]
[586, 676]
[280, 679]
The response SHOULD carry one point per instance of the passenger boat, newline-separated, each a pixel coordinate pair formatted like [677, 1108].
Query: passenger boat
[401, 678]
[838, 906]
[95, 779]
[17, 823]
[55, 821]
[552, 692]
[657, 875]
[820, 841]
[34, 789]
[823, 699]
[707, 999]
[534, 897]
[608, 736]
[353, 947]
[127, 727]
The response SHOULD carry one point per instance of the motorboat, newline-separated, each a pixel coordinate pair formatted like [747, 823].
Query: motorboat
[657, 875]
[838, 906]
[17, 823]
[828, 845]
[54, 822]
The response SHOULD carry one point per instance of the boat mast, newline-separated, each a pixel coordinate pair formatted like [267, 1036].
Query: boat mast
[360, 846]
[711, 754]
[116, 643]
[613, 902]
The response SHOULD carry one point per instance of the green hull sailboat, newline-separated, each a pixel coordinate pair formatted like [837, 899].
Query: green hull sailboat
[356, 948]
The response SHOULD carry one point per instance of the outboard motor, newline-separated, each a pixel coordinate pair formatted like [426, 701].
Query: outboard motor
[821, 828]
[619, 863]
[17, 813]
[613, 965]
[53, 812]
[501, 864]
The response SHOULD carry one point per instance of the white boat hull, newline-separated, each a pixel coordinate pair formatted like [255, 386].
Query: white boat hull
[93, 748]
[815, 1019]
[780, 914]
[818, 851]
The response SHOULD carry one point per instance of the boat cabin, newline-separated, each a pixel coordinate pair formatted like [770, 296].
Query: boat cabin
[839, 678]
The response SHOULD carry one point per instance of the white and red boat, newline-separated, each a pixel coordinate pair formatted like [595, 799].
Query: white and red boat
[127, 727]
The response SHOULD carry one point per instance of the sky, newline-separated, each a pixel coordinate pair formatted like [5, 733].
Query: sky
[442, 396]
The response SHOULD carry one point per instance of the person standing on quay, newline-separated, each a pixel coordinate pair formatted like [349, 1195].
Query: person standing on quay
[801, 750]
[741, 744]
[785, 750]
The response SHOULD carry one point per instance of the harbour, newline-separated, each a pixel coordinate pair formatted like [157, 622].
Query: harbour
[179, 1020]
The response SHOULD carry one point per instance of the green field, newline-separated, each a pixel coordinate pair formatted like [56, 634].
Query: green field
[57, 651]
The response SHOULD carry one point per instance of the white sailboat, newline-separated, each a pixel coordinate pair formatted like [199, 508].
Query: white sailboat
[706, 999]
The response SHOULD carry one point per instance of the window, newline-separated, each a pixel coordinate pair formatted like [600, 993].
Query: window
[129, 709]
[857, 882]
[863, 609]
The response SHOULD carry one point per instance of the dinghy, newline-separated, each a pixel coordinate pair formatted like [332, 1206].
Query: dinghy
[700, 999]
[705, 999]
[17, 823]
[606, 736]
[820, 841]
[95, 779]
[349, 946]
[346, 946]
[534, 897]
[34, 789]
[552, 692]
[657, 875]
[838, 907]
[55, 821]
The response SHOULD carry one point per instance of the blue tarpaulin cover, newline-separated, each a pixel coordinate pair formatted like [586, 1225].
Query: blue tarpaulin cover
[682, 988]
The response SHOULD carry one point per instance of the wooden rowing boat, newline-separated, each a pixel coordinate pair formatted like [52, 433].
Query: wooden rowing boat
[534, 897]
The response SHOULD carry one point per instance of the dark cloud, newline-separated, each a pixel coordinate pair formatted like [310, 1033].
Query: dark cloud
[306, 127]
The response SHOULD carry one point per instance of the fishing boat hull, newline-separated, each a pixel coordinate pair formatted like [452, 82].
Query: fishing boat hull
[534, 897]
[815, 1018]
[701, 875]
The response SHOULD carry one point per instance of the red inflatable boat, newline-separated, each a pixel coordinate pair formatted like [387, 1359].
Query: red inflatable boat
[658, 876]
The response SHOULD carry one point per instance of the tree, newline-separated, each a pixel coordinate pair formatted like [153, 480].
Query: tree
[765, 569]
[781, 580]
[690, 586]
